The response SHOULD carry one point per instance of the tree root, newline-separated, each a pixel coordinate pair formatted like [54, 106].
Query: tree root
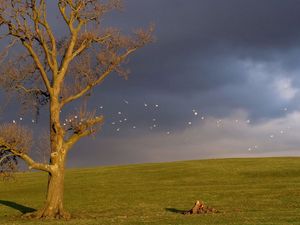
[44, 214]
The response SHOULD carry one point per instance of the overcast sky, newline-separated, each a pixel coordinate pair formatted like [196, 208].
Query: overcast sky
[221, 80]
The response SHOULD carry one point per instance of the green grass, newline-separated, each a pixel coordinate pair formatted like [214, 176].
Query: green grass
[246, 191]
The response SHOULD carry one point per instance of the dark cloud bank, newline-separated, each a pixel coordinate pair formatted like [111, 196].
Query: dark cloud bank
[230, 60]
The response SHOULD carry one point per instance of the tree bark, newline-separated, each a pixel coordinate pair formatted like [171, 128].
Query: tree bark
[54, 203]
[53, 207]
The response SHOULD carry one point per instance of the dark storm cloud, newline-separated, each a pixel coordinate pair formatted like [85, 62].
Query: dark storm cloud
[214, 56]
[199, 42]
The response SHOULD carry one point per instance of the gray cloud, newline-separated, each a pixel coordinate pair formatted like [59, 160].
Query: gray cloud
[215, 56]
[200, 45]
[232, 137]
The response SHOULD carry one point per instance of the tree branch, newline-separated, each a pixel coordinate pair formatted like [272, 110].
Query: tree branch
[39, 66]
[62, 9]
[4, 157]
[39, 19]
[87, 130]
[23, 32]
[68, 56]
[86, 43]
[99, 80]
[31, 90]
[30, 162]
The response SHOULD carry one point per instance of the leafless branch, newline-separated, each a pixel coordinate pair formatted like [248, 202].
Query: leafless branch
[80, 124]
[15, 141]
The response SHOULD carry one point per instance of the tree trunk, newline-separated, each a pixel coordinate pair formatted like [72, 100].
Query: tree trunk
[53, 207]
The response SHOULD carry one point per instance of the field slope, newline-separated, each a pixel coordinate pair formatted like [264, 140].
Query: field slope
[246, 191]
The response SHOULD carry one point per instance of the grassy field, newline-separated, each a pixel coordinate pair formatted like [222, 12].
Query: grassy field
[245, 191]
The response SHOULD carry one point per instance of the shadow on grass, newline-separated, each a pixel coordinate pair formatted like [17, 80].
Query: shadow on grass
[173, 210]
[23, 209]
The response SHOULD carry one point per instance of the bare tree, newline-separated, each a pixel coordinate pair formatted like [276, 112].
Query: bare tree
[56, 71]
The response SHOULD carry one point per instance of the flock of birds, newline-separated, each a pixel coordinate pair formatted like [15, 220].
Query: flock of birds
[120, 121]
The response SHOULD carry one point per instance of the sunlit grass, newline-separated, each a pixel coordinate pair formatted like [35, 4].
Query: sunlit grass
[245, 191]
